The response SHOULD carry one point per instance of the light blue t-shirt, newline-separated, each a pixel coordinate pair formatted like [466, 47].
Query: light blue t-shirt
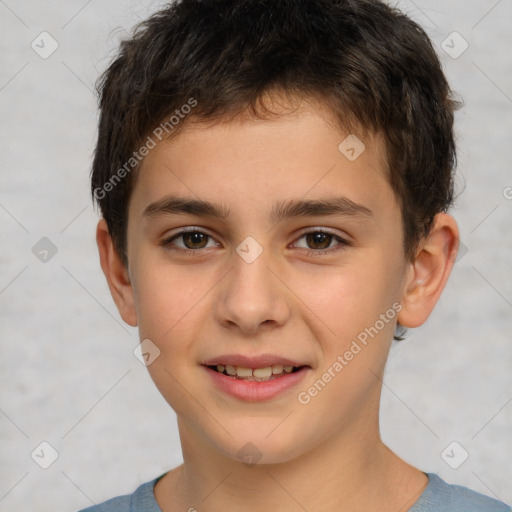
[438, 496]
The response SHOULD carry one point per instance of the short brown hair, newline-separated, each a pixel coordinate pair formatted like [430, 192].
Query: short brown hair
[213, 59]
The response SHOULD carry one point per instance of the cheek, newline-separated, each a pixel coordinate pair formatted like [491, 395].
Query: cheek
[166, 297]
[358, 295]
[170, 313]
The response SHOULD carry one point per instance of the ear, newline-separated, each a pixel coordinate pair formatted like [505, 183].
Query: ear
[117, 275]
[429, 271]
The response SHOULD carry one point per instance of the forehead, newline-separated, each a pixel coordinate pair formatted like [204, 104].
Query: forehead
[247, 162]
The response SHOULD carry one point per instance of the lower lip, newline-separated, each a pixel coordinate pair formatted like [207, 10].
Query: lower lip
[254, 391]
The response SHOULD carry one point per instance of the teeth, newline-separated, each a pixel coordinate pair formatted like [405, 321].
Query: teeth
[262, 372]
[256, 374]
[243, 372]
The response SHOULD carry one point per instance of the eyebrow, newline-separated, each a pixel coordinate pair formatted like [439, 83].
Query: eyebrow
[173, 205]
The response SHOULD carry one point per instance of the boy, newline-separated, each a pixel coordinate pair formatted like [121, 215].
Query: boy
[306, 147]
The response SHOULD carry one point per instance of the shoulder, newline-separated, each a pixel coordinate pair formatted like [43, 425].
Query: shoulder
[141, 500]
[440, 496]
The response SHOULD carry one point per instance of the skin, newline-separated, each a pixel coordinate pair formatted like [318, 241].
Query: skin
[326, 455]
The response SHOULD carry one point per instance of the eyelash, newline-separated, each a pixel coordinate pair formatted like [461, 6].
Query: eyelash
[310, 252]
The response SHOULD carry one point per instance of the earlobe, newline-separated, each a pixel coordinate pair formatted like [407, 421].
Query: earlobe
[116, 274]
[429, 271]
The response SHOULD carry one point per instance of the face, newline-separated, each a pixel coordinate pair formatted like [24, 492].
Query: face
[298, 263]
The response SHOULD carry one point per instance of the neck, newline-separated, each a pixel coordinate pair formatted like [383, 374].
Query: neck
[350, 470]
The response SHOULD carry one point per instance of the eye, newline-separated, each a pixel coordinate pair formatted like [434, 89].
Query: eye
[193, 240]
[320, 241]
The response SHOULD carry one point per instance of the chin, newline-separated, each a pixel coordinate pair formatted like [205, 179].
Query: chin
[254, 448]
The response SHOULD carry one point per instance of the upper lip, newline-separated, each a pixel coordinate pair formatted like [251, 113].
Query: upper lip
[259, 361]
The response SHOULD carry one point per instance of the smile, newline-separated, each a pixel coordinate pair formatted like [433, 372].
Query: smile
[255, 384]
[255, 374]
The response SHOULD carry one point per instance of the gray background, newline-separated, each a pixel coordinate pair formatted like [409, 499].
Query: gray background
[68, 374]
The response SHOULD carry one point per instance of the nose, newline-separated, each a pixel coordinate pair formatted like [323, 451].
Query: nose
[252, 297]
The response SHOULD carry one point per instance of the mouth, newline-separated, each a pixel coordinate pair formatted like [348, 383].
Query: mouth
[255, 378]
[262, 374]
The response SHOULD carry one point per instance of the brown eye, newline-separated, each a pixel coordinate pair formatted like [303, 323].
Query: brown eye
[192, 241]
[195, 239]
[319, 240]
